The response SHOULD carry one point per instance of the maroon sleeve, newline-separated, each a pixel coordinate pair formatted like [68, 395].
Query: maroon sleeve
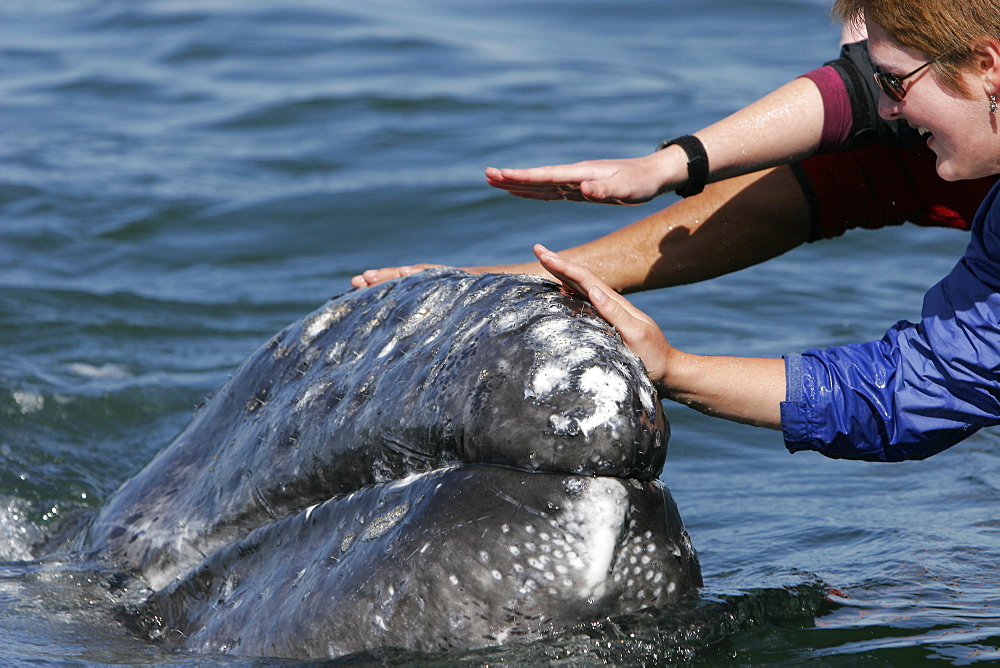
[878, 186]
[838, 114]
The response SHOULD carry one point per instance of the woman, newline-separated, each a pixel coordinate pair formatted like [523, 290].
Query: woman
[924, 386]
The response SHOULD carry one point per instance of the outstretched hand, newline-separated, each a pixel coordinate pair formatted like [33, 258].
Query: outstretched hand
[372, 277]
[639, 332]
[621, 181]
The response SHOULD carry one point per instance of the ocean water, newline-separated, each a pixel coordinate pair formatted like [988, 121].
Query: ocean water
[179, 180]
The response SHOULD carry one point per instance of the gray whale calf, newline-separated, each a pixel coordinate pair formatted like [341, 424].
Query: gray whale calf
[443, 461]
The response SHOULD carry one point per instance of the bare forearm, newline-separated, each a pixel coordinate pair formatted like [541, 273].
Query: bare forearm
[735, 223]
[782, 127]
[743, 389]
[732, 225]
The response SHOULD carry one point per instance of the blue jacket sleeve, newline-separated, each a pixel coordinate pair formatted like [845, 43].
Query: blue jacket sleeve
[920, 389]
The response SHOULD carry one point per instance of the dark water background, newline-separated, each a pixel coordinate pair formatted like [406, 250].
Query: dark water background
[181, 179]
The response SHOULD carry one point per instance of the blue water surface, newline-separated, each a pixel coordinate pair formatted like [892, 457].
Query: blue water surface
[179, 180]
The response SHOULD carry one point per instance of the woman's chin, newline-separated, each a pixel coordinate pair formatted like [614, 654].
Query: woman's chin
[953, 168]
[947, 168]
[944, 170]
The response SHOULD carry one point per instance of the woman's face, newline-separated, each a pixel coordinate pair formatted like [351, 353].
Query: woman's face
[961, 131]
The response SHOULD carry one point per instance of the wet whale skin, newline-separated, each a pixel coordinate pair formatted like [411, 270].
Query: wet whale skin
[394, 442]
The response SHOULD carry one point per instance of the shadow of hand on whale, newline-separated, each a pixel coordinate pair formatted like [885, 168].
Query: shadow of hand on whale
[445, 461]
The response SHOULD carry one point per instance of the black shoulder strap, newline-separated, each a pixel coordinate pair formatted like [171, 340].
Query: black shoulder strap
[856, 69]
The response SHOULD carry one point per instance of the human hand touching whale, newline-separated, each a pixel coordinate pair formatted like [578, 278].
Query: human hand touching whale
[638, 330]
[743, 389]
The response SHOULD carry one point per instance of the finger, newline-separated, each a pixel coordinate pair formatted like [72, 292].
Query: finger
[631, 323]
[371, 277]
[535, 187]
[558, 266]
[547, 196]
[641, 334]
[551, 174]
[576, 276]
[583, 280]
[548, 174]
[610, 309]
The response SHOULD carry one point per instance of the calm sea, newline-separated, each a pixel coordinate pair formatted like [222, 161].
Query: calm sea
[181, 179]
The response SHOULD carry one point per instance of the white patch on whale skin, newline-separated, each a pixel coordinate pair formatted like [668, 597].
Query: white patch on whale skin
[415, 320]
[606, 503]
[580, 547]
[321, 322]
[609, 391]
[311, 392]
[336, 352]
[388, 348]
[546, 380]
[564, 347]
[431, 337]
[409, 480]
[430, 309]
[566, 343]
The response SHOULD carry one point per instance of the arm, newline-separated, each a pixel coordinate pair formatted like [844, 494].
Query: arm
[745, 220]
[664, 249]
[733, 224]
[917, 391]
[748, 390]
[832, 108]
[779, 128]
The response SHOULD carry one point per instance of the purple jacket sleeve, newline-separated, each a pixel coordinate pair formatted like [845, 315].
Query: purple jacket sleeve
[921, 388]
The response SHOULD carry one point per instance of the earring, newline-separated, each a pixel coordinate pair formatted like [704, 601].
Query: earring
[993, 104]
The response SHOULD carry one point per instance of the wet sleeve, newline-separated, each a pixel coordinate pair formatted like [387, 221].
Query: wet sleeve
[920, 389]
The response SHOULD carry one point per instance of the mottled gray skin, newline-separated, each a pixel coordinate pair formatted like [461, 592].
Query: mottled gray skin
[452, 559]
[433, 370]
[445, 461]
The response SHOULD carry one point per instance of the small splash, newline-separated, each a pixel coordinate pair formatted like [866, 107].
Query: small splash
[29, 402]
[17, 532]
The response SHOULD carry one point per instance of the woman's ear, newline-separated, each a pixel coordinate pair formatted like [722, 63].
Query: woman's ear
[986, 56]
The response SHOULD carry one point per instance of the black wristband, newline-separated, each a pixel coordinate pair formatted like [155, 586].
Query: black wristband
[697, 163]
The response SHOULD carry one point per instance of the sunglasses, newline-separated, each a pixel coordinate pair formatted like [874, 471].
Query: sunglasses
[892, 85]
